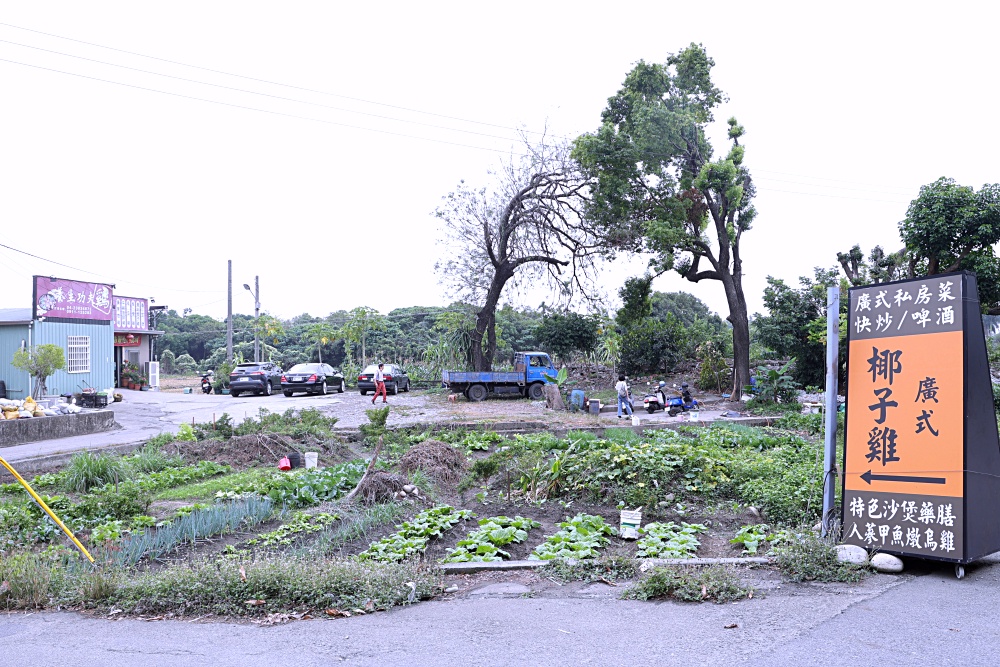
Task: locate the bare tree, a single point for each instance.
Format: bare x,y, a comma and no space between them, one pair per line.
522,231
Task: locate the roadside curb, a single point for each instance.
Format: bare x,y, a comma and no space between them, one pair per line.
510,565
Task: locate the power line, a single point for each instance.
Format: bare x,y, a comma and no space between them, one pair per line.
829,187
249,108
273,83
254,92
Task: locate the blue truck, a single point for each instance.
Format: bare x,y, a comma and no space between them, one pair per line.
526,379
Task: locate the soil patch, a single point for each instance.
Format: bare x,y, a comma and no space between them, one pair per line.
380,487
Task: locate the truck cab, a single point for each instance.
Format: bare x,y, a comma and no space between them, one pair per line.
534,365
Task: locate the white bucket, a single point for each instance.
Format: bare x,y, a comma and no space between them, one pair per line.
628,528
311,459
635,420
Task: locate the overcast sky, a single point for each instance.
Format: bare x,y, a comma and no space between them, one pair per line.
312,141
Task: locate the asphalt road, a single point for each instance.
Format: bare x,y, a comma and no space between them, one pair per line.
924,617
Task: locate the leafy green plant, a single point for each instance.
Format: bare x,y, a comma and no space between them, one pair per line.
412,537
668,540
185,433
109,531
776,385
559,379
578,538
751,537
152,458
480,440
375,427
311,487
689,584
483,545
603,568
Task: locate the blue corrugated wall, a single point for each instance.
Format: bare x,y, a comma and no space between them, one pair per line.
102,357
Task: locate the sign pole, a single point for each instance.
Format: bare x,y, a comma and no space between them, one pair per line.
832,366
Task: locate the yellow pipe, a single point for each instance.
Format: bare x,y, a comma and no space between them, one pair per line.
41,503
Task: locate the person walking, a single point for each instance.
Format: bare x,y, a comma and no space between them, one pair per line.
380,384
623,398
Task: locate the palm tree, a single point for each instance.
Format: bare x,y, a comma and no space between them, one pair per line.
322,333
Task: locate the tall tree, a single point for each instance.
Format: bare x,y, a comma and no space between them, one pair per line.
523,229
948,227
655,187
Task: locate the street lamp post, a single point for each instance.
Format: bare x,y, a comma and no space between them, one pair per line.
256,314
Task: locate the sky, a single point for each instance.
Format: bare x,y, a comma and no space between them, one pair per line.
145,144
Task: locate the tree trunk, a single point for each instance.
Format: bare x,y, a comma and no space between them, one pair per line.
482,360
741,336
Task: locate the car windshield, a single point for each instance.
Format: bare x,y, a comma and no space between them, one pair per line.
246,368
305,368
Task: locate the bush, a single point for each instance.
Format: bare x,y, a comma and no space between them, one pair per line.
186,365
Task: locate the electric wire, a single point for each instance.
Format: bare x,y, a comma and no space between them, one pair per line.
267,111
254,92
259,80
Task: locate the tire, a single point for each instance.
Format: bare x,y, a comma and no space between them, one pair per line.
268,388
477,392
322,388
535,392
650,409
342,387
406,388
395,388
234,394
363,392
287,394
673,412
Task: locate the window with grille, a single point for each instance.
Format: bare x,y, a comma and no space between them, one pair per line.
78,354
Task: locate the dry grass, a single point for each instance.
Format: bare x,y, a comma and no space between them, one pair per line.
437,459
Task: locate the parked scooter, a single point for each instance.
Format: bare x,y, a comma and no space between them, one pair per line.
682,403
657,400
206,382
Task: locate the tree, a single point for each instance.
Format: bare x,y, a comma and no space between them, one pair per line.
322,333
360,323
795,325
565,334
637,302
525,228
948,227
656,189
40,362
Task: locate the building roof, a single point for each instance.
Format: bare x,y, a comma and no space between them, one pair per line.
15,315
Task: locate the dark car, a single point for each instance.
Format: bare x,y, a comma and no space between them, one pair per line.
312,379
261,377
396,379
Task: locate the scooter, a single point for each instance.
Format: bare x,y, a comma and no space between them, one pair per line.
656,400
682,403
206,382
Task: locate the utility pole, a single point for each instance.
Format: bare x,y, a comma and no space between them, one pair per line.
256,315
229,318
830,430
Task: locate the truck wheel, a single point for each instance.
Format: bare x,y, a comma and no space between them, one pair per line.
535,392
477,392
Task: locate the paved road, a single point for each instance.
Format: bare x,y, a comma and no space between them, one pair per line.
925,617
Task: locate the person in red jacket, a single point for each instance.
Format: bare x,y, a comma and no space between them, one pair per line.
380,384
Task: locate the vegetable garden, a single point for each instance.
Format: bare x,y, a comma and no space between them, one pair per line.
204,523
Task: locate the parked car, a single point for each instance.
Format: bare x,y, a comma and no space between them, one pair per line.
396,379
312,379
261,377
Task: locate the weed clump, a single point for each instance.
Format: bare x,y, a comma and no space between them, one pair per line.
690,584
811,558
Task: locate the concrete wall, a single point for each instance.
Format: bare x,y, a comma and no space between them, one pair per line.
19,431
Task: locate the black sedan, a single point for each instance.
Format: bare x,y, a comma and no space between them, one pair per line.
396,379
312,379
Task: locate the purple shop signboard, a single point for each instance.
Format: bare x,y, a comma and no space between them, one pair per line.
72,299
131,313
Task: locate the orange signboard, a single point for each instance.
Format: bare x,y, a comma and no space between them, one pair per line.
904,458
